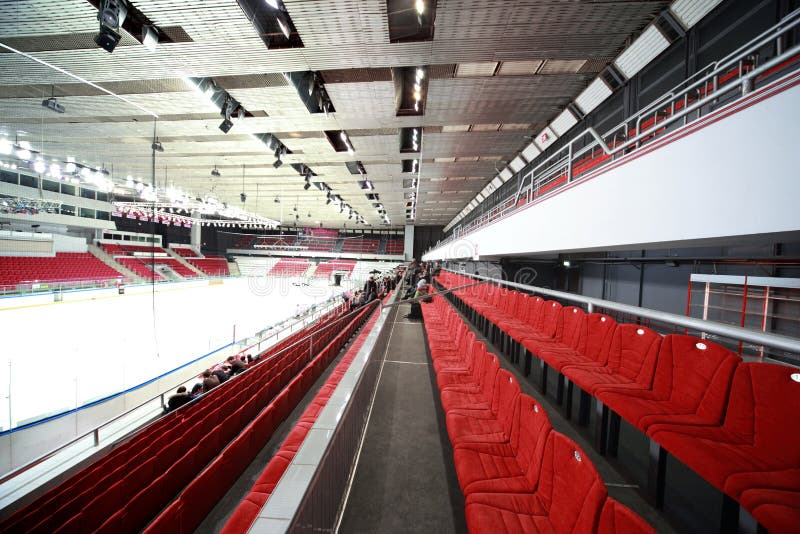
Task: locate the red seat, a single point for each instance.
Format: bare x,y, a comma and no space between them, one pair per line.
510,467
568,498
631,362
616,518
487,426
690,385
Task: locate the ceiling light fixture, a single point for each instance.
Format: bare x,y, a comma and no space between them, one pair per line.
419,5
215,172
111,15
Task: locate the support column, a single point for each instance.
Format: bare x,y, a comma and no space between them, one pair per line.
196,232
408,248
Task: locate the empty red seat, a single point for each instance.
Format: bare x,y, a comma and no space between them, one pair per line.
616,518
490,426
568,498
509,467
690,385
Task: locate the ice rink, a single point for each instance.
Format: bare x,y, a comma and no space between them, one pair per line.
62,355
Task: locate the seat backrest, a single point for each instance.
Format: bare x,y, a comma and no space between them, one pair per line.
570,488
761,411
596,334
618,518
702,374
548,319
504,400
569,329
489,380
633,353
534,309
529,436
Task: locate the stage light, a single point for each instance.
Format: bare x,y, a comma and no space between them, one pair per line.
6,148
86,172
39,166
566,263
52,104
55,170
157,146
307,186
70,167
215,171
111,14
24,150
277,163
419,5
243,197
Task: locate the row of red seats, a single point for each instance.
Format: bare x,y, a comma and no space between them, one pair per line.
361,245
140,267
324,269
247,511
211,266
290,267
186,252
729,421
200,496
148,469
395,246
516,472
64,266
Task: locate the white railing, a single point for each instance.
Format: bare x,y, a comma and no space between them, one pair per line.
731,78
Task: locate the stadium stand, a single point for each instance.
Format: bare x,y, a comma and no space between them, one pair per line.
360,245
394,246
517,474
139,266
211,266
63,267
290,267
694,398
194,452
246,512
324,269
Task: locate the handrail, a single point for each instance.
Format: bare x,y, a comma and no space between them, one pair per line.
567,154
95,431
777,341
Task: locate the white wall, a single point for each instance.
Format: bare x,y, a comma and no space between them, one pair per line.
734,177
65,243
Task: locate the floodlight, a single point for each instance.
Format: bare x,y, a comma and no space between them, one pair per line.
215,171
53,104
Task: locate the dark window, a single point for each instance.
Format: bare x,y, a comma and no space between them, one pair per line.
88,193
9,177
28,181
67,209
88,213
102,196
68,190
49,185
104,215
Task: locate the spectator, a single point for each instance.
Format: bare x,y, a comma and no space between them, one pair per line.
180,398
237,366
210,381
221,374
197,390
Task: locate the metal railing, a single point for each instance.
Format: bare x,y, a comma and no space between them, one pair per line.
757,337
730,78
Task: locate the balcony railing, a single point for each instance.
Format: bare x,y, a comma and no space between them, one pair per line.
720,83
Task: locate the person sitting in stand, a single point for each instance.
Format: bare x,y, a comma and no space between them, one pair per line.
237,366
180,398
210,381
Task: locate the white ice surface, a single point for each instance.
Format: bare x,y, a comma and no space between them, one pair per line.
60,356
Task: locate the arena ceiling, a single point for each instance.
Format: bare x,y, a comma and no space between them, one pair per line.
495,73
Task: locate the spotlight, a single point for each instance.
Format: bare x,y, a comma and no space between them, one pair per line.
110,15
307,187
566,263
277,200
52,103
215,172
243,197
39,166
226,125
157,146
6,148
277,163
